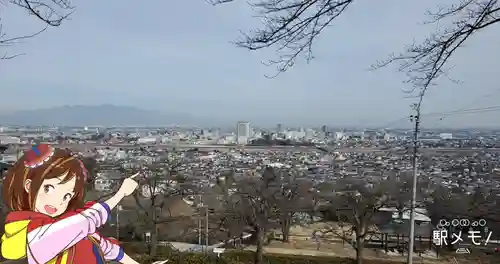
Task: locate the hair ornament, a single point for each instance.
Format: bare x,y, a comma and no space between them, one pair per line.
84,170
38,155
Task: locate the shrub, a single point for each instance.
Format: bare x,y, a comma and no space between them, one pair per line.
246,257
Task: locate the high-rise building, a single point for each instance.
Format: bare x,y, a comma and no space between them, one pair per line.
279,128
242,132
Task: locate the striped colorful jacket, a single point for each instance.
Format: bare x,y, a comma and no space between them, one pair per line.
69,239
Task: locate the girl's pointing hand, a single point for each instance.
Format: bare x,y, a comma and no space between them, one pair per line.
129,185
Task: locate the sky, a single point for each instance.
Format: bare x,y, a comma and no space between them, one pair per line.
177,56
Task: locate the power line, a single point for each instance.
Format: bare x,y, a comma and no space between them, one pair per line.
466,111
416,132
393,123
495,107
462,110
444,114
475,101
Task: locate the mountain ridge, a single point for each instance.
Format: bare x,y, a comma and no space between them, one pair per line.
104,115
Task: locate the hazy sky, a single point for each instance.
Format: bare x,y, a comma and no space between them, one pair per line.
176,56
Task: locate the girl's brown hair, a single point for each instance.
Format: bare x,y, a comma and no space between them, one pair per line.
62,162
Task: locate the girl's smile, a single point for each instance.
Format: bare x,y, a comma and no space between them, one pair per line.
50,209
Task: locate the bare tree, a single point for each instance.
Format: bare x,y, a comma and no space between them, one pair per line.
225,182
92,167
51,12
232,223
292,26
481,204
353,206
162,182
401,192
294,197
253,205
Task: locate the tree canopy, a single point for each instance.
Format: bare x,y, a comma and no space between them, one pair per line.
291,27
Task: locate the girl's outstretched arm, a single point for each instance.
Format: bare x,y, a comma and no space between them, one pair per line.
46,239
114,200
127,188
43,237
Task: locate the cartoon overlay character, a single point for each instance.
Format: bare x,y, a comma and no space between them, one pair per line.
45,191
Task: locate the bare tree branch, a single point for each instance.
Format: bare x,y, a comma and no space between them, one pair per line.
6,41
292,26
425,62
50,12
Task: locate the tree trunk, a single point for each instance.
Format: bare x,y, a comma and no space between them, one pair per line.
259,252
360,246
154,241
285,229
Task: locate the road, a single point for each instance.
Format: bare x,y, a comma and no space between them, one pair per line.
90,146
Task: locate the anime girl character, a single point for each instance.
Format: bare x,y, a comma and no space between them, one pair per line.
48,222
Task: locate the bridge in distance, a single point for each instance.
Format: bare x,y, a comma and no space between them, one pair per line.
89,146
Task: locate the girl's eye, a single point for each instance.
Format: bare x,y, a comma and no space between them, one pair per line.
67,197
47,188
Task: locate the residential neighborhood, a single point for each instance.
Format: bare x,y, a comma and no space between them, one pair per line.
184,192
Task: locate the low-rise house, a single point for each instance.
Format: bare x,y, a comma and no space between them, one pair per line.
106,181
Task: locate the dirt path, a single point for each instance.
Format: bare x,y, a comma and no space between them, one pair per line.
345,254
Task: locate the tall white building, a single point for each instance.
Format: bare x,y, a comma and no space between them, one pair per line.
339,136
389,137
147,140
242,132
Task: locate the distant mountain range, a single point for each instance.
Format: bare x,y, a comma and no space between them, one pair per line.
100,115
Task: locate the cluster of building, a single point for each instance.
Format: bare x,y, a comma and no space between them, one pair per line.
461,161
244,134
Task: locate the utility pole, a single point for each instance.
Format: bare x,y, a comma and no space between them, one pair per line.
413,205
199,230
199,219
206,228
202,206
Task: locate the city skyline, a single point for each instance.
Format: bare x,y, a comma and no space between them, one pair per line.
127,116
